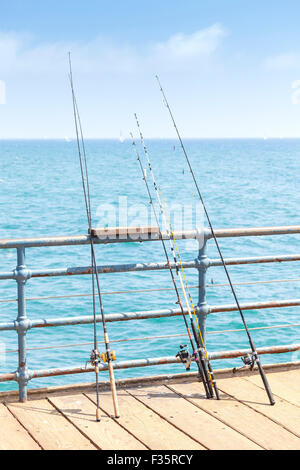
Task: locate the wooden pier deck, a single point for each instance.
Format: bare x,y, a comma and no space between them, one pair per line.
160,414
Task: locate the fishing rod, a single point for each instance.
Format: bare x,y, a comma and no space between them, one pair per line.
183,353
249,360
170,232
95,357
210,369
172,241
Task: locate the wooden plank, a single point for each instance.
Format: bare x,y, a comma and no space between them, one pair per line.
113,232
147,426
106,435
243,419
283,384
282,412
13,435
194,422
49,427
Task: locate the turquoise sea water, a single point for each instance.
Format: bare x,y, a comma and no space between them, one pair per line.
245,183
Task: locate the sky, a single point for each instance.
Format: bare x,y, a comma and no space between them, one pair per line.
229,68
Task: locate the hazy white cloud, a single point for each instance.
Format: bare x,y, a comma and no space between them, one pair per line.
2,92
9,46
190,46
19,52
112,77
296,93
285,61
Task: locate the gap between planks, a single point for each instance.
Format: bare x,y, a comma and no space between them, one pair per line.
191,420
289,393
253,396
146,425
247,421
106,435
14,426
48,426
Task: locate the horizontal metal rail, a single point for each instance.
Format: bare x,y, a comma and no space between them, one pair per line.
137,267
254,260
158,361
255,231
72,240
142,315
22,274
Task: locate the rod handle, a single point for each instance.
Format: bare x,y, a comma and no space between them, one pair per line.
113,389
216,389
265,382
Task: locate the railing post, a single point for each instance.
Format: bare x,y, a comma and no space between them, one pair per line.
21,276
202,262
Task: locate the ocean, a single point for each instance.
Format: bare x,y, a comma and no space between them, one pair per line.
245,183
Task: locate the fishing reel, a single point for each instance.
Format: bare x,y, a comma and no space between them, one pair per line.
113,356
95,358
248,360
185,357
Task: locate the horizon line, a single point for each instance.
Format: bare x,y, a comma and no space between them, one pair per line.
70,139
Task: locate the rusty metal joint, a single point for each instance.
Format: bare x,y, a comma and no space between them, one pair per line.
23,375
202,264
203,309
22,274
22,326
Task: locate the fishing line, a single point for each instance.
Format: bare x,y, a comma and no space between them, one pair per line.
171,236
197,352
210,369
95,358
147,338
254,358
140,291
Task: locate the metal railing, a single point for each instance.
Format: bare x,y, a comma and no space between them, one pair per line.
22,274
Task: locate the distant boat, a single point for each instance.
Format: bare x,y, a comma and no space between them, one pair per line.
266,137
68,139
122,138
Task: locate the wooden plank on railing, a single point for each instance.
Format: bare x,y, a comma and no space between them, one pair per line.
117,232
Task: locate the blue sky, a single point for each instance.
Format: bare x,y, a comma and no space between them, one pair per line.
230,68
